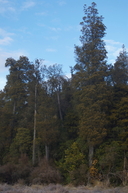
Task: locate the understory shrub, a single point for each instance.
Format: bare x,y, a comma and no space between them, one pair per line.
44,173
11,173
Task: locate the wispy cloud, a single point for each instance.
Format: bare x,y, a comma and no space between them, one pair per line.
72,28
6,6
12,9
55,29
4,33
50,50
6,41
69,28
42,13
28,4
5,37
113,48
112,42
61,2
4,1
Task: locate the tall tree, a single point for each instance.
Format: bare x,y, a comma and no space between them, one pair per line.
16,89
120,69
50,110
34,88
119,112
55,81
47,122
89,79
5,127
22,89
21,143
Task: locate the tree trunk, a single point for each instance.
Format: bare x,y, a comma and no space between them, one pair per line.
47,152
125,178
125,161
34,132
58,100
14,108
90,155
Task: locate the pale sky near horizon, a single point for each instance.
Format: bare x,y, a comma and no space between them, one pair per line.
49,29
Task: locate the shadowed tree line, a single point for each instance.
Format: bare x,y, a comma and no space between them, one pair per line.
78,126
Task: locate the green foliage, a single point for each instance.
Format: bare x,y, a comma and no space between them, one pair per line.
73,158
74,164
22,143
47,122
120,70
89,80
110,155
11,173
70,118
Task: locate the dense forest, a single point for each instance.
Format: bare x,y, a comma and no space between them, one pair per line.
55,129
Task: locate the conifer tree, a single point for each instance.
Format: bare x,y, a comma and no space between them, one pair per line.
119,112
47,122
120,69
55,81
89,79
5,127
50,110
16,89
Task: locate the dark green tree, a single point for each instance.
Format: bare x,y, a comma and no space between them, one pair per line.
16,91
55,79
21,143
16,87
47,122
119,110
89,79
5,127
120,69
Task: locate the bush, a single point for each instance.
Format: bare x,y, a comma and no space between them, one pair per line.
79,176
7,172
10,173
45,174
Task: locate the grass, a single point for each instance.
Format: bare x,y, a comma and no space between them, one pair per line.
52,188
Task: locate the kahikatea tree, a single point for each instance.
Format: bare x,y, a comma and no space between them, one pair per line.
120,69
47,124
16,90
89,79
50,111
21,93
55,81
5,126
21,144
119,112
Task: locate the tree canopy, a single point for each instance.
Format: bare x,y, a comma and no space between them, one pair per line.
78,125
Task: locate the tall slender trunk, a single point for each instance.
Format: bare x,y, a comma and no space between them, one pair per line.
12,122
125,161
47,152
90,155
59,105
90,159
14,108
125,180
34,132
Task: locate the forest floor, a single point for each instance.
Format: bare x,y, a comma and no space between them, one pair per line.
51,188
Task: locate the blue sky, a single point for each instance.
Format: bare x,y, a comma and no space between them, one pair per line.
48,29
